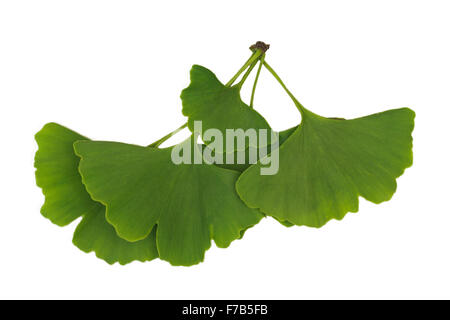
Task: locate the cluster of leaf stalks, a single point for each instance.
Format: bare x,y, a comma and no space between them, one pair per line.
136,204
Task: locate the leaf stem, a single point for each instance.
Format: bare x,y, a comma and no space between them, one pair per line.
255,56
167,136
276,76
246,74
261,62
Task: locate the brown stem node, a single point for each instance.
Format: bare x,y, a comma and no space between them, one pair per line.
260,45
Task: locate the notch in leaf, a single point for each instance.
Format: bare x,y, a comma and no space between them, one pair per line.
328,162
66,199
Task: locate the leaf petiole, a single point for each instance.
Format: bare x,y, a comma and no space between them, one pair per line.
246,74
276,76
253,58
167,136
261,62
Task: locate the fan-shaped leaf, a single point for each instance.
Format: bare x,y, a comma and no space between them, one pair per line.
327,163
66,199
141,188
216,105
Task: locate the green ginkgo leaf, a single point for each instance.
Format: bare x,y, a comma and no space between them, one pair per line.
217,106
327,163
142,187
66,199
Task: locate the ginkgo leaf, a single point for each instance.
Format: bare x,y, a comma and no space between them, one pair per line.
217,106
190,203
327,163
66,199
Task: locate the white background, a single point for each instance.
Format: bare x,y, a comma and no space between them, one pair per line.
113,70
